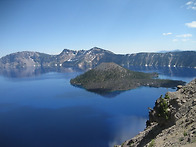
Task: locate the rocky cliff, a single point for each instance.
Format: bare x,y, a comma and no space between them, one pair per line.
88,59
27,59
172,121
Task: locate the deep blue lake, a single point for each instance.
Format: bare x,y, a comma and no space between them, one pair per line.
42,109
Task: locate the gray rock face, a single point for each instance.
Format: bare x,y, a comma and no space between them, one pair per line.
172,122
95,56
27,59
88,59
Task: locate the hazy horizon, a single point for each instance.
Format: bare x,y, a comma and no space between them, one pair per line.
121,26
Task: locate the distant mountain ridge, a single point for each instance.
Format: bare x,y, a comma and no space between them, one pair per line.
88,59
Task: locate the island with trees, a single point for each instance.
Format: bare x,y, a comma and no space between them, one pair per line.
110,77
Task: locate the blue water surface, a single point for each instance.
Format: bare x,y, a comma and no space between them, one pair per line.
46,111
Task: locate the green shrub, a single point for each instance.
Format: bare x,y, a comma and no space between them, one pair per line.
166,96
163,111
185,133
122,144
152,143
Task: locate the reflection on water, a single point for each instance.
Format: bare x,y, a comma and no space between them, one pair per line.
108,94
101,92
32,71
168,71
132,123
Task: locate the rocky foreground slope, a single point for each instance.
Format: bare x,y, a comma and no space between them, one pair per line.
172,122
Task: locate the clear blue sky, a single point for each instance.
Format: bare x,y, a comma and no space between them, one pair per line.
122,26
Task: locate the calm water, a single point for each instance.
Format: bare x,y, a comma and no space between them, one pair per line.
41,109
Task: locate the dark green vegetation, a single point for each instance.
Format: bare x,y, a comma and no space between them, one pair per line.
161,113
108,77
86,59
163,110
152,143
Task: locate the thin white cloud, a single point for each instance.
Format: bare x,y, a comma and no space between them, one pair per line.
175,40
166,34
191,5
184,35
185,40
191,24
194,8
181,40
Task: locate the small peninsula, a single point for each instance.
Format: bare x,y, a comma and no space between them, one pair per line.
110,77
